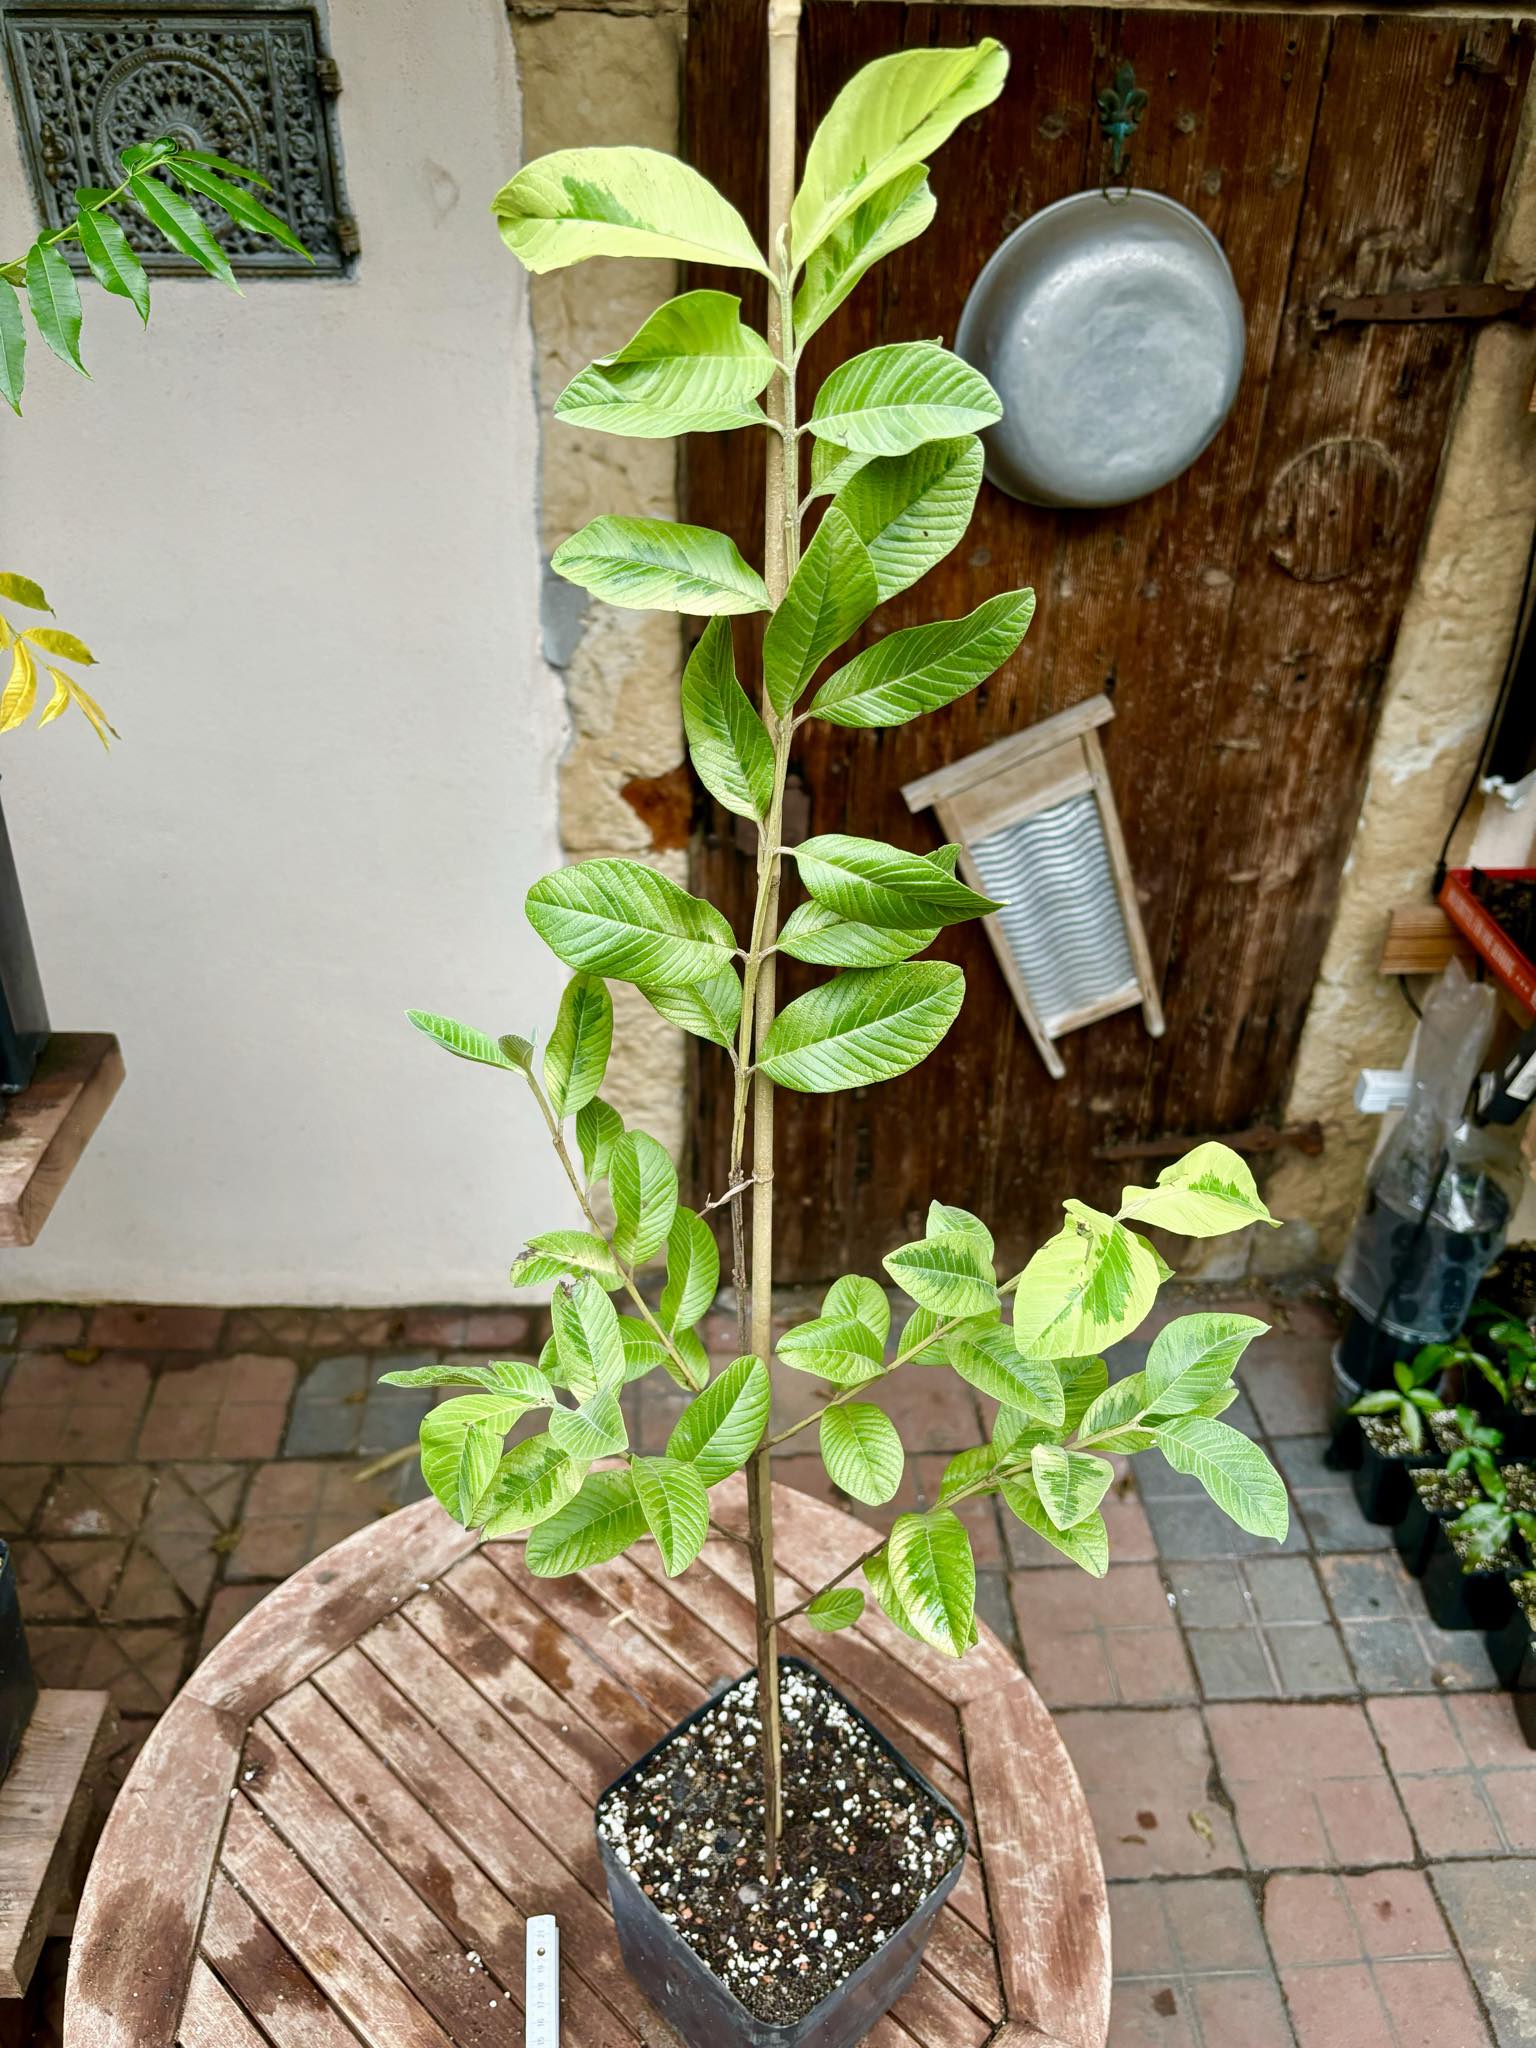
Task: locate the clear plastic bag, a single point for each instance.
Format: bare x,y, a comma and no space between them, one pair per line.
1440,1191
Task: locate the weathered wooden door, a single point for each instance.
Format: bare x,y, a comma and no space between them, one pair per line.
1242,618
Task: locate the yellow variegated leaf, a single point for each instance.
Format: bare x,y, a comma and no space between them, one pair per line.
64,645
21,690
58,702
100,724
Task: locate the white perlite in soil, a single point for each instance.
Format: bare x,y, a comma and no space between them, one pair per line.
862,1845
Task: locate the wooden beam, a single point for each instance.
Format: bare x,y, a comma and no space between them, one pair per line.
44,1804
49,1124
1421,939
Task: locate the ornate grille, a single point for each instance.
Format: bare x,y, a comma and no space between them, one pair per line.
248,83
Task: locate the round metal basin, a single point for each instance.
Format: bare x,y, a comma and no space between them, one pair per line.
1113,333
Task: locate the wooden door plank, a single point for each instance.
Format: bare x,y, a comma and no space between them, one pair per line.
1354,430
580,1752
557,1810
318,1611
263,1976
1050,1907
167,1821
45,1802
473,2006
1246,693
351,1973
583,1686
500,1840
611,1637
211,2018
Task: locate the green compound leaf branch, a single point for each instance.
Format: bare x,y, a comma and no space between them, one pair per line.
153,171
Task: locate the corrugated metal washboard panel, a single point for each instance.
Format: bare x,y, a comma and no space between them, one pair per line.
1034,817
1061,911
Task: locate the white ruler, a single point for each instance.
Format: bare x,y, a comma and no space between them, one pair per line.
541,1983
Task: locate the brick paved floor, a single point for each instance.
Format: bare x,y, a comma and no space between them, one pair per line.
1316,1812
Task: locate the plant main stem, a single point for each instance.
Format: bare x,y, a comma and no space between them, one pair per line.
781,551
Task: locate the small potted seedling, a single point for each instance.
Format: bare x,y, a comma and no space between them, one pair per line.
1472,1558
1392,1439
1511,1375
1441,1492
774,1865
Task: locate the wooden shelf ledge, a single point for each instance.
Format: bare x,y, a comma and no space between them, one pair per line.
44,1804
49,1124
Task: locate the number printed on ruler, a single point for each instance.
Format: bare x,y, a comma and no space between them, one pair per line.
541,1983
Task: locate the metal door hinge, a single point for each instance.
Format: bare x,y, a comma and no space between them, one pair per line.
328,76
1431,302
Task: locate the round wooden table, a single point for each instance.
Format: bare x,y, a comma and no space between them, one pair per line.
337,1828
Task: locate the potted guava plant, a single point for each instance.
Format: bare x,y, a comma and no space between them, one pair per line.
761,1944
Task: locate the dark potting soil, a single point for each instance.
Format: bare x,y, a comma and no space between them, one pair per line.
1445,1493
1473,1561
1510,904
862,1845
1520,1486
1446,1430
1387,1437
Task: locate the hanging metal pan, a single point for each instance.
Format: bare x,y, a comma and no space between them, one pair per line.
1112,331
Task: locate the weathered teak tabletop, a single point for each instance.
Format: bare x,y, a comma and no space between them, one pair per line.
394,1758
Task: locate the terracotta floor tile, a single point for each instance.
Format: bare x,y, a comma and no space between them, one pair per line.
1463,1770
225,1408
97,1500
1309,1785
22,1489
129,1328
1145,1774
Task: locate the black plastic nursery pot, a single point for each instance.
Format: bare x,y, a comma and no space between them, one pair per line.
1414,1534
1459,1599
18,1688
699,2005
1512,1653
1383,1486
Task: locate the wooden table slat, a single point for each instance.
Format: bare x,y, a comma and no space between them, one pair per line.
523,1868
556,1810
175,1801
609,1636
1044,1876
483,1918
347,1967
250,1960
578,1680
578,1751
381,1904
211,2018
424,1727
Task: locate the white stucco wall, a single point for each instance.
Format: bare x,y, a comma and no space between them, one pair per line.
299,528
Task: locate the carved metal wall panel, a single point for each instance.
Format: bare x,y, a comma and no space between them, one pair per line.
249,83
